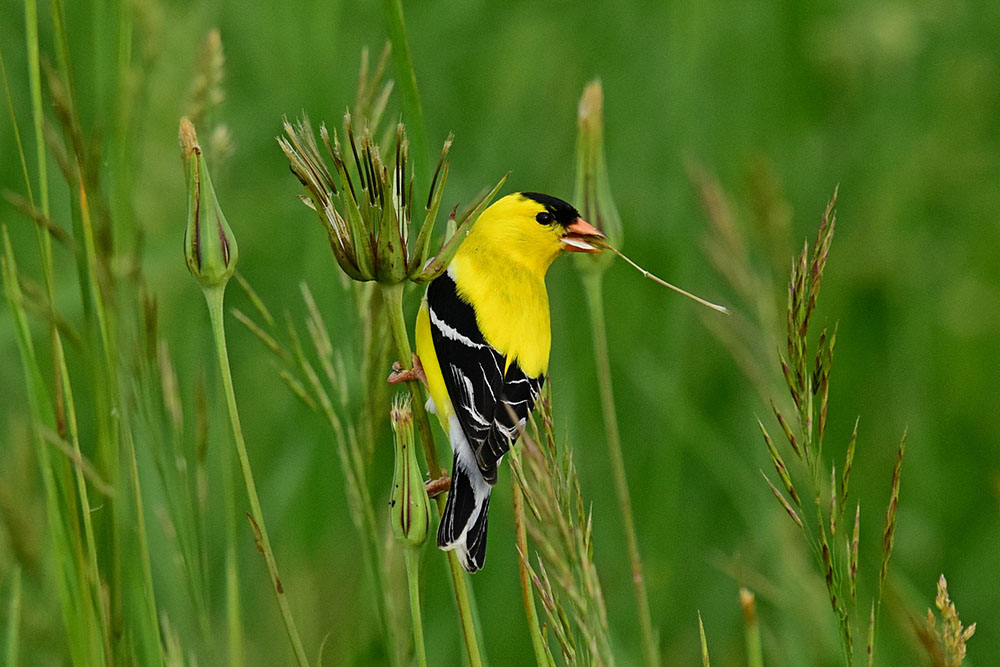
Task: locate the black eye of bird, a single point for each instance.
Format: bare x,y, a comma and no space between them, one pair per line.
544,218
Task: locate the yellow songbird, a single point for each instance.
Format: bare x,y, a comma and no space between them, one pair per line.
483,338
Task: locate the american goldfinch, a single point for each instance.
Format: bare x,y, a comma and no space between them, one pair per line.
483,339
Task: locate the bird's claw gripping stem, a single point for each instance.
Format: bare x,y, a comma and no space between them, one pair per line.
435,487
399,374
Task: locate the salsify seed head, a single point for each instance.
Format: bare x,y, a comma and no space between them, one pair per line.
366,201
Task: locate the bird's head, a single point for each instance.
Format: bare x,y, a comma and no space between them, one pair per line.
536,228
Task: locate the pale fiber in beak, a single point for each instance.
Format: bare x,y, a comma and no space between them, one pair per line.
578,245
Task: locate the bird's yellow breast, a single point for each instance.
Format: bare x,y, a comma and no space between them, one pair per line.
511,304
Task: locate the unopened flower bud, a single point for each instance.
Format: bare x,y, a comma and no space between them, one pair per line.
593,191
209,245
409,511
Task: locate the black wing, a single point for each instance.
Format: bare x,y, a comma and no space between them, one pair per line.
481,393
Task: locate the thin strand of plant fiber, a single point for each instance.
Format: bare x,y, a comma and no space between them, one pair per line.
537,641
647,274
593,287
393,311
214,298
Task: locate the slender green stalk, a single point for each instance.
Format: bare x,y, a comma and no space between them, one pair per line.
593,287
94,572
537,641
408,82
234,621
14,619
214,298
412,557
751,629
37,110
74,598
393,298
151,622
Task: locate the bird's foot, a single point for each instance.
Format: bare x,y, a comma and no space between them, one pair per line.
400,374
436,487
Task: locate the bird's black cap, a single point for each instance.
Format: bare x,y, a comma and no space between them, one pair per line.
563,212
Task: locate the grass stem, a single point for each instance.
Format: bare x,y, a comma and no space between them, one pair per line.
593,287
14,619
408,82
214,298
234,619
751,628
537,641
392,296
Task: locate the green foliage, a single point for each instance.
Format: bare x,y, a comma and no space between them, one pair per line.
899,103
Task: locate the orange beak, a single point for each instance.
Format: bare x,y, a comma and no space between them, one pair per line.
580,235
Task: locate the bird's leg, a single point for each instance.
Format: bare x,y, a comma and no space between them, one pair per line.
435,487
399,374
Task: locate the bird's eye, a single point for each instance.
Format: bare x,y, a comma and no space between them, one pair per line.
544,218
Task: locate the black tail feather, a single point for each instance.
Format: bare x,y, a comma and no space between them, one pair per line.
459,511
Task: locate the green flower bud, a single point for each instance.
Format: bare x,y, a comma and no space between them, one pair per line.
593,191
209,245
409,507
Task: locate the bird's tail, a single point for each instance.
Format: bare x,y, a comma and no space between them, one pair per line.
463,524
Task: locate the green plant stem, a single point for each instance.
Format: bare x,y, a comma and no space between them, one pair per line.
412,557
537,641
593,286
92,565
408,83
751,629
151,624
393,298
234,619
214,298
14,619
78,618
37,111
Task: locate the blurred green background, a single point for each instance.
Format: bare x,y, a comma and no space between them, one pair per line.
897,102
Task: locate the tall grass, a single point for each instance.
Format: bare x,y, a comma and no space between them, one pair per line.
563,570
125,536
821,511
82,415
